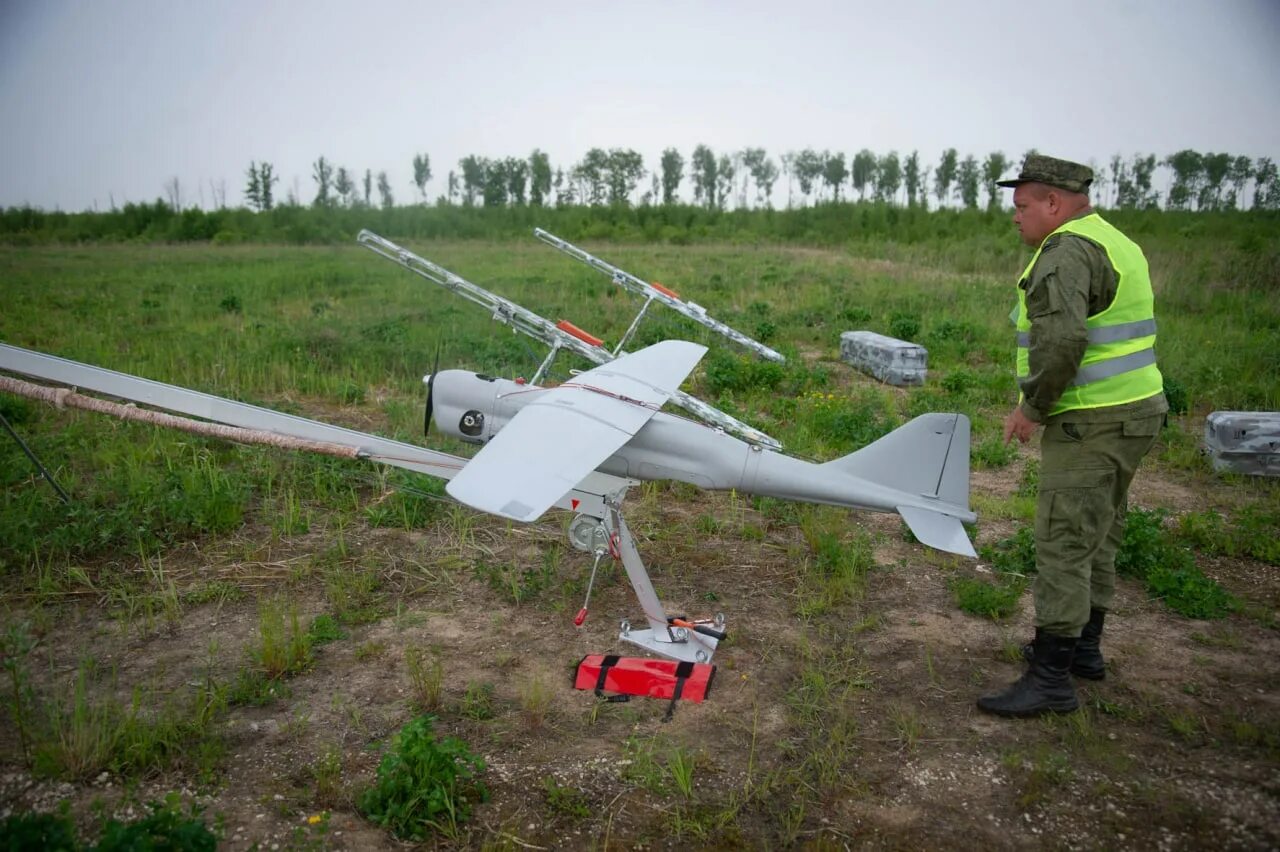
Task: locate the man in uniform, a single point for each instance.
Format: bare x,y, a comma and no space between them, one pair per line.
1086,371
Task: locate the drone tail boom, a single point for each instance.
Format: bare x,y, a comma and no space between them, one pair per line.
926,460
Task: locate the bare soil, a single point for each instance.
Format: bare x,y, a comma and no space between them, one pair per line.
1179,747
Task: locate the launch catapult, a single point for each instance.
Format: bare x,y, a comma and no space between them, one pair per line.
578,446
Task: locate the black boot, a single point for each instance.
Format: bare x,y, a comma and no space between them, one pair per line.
1088,662
1046,685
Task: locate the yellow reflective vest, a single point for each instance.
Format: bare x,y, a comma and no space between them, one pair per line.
1119,363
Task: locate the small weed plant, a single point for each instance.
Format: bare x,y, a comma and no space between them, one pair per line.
425,786
326,772
1013,559
324,629
681,763
353,592
168,826
837,571
564,801
426,678
284,649
642,766
535,699
16,646
1149,552
477,702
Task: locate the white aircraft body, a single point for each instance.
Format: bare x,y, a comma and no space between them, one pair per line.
540,442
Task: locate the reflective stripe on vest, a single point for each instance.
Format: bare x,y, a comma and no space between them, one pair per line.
1119,363
1106,333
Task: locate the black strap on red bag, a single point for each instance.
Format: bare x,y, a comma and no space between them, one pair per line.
683,671
607,663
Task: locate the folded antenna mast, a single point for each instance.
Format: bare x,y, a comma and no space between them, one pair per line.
561,335
655,292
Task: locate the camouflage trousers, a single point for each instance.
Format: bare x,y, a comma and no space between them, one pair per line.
1085,471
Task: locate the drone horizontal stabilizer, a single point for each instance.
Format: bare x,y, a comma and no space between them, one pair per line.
935,529
565,433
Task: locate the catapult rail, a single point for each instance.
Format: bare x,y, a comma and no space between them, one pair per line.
655,292
561,335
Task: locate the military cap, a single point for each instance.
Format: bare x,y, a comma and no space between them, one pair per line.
1037,168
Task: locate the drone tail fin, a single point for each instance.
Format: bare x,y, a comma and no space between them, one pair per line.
927,457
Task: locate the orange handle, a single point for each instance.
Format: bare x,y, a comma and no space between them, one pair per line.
718,635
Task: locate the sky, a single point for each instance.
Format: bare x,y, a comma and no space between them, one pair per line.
103,102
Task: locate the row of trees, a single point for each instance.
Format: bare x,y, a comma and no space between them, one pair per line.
749,178
876,223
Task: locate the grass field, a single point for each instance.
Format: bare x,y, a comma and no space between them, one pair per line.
252,627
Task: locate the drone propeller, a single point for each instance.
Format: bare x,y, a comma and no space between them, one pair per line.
426,415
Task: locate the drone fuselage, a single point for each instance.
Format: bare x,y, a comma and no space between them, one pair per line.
475,407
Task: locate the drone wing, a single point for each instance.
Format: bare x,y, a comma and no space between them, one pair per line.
556,440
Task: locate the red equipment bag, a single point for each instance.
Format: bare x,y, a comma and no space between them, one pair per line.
630,676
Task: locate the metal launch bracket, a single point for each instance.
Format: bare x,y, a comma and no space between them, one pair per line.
668,636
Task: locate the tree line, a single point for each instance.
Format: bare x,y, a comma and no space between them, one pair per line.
750,177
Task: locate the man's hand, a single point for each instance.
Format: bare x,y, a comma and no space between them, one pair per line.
1018,424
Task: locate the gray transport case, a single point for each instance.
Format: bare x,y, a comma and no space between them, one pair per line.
890,360
1244,441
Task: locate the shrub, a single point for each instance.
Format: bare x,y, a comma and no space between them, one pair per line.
168,826
1254,532
990,600
424,785
1168,569
1186,590
904,326
1176,394
727,372
1145,546
50,832
993,452
1013,555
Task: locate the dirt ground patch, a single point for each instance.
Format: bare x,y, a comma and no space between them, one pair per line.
850,727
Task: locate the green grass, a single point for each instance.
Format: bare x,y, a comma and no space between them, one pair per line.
283,647
426,678
995,600
565,802
1168,568
83,735
519,581
337,334
1148,553
168,825
1253,532
310,329
836,571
